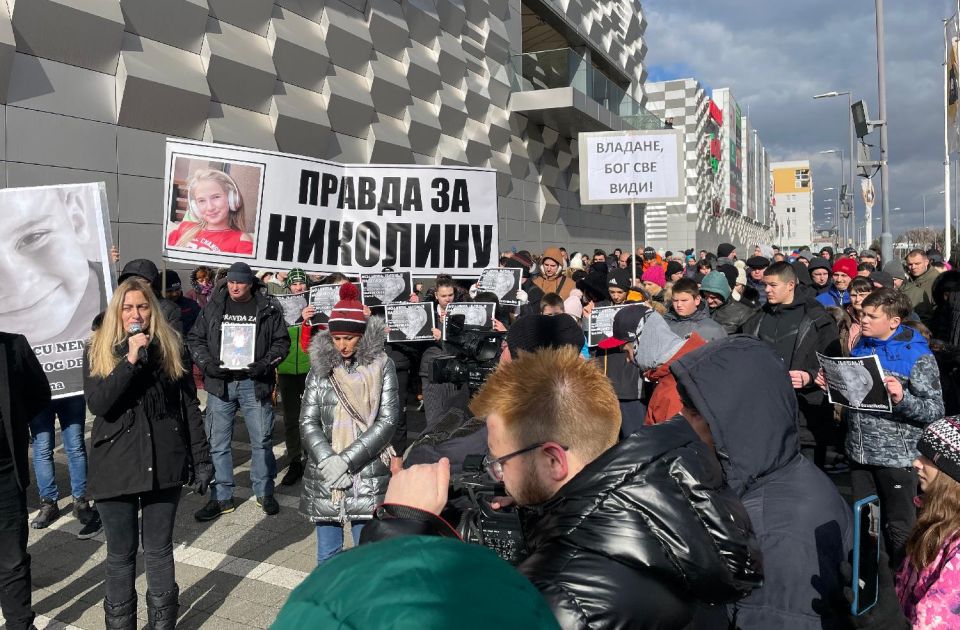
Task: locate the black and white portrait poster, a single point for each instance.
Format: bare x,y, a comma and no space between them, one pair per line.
409,321
292,305
600,326
856,382
323,298
476,314
237,345
504,283
377,289
57,273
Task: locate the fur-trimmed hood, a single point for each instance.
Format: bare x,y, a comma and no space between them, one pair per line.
324,357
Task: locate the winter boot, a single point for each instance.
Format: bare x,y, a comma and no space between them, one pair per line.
121,616
162,609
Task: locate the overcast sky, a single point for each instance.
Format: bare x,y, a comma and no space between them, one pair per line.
776,54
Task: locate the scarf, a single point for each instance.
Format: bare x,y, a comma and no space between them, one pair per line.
358,393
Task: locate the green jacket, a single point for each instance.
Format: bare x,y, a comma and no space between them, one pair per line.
297,361
416,583
920,292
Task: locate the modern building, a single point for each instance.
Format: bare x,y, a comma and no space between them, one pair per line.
715,210
793,203
90,90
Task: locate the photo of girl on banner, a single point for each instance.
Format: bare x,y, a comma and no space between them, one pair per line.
214,205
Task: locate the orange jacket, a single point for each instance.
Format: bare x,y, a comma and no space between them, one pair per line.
665,402
656,261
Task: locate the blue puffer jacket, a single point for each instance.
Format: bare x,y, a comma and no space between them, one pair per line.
834,297
890,439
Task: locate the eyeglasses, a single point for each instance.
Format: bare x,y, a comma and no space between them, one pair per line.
494,467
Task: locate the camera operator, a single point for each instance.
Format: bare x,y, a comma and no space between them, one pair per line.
640,534
459,434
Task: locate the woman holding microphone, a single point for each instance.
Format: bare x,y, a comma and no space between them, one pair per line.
147,442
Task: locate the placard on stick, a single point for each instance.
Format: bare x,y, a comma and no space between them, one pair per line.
292,305
323,298
856,383
504,283
477,314
377,289
600,326
409,321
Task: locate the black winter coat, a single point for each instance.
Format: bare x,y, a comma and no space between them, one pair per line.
804,526
147,431
273,340
815,331
642,537
24,392
732,315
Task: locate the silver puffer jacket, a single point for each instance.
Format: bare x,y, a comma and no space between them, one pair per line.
316,428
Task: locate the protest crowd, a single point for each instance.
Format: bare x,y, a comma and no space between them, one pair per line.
659,430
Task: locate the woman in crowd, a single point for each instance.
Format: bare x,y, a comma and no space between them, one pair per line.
928,583
349,414
147,442
216,210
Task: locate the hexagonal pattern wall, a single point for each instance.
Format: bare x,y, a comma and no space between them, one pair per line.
90,90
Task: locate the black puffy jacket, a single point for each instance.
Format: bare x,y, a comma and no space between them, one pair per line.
732,315
643,537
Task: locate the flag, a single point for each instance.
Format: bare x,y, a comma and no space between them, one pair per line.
715,113
952,87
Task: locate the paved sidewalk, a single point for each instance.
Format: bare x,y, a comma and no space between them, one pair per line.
234,572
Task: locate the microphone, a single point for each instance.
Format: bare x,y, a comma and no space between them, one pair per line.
136,329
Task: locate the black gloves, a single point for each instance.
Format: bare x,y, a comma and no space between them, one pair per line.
202,476
213,370
259,369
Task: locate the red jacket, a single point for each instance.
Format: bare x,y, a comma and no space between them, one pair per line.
665,401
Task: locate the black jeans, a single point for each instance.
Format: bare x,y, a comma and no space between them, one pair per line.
896,488
14,559
291,393
119,516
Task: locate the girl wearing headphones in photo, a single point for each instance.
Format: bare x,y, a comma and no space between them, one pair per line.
216,221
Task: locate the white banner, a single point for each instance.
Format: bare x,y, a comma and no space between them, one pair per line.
643,166
57,271
278,211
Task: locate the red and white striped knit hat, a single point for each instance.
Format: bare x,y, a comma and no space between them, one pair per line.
347,317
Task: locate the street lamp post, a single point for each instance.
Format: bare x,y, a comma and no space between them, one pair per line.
886,238
848,226
852,139
844,231
924,197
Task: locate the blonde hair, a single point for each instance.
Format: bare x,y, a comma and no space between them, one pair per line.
102,355
938,522
236,219
553,395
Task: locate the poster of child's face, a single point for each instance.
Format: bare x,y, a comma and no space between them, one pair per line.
53,260
214,206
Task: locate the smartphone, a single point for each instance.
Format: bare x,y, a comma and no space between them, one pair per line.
866,553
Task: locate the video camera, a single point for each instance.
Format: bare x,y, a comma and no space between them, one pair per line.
477,355
469,508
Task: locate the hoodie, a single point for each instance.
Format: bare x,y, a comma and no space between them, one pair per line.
803,524
699,322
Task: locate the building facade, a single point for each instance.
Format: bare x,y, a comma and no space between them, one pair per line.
90,90
715,209
793,203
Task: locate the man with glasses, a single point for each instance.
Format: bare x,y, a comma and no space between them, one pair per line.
614,537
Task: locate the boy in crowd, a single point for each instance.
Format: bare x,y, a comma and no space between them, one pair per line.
882,446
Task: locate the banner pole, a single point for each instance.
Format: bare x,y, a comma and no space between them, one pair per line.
947,50
633,238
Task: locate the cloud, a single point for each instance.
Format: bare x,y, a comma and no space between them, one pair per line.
776,55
